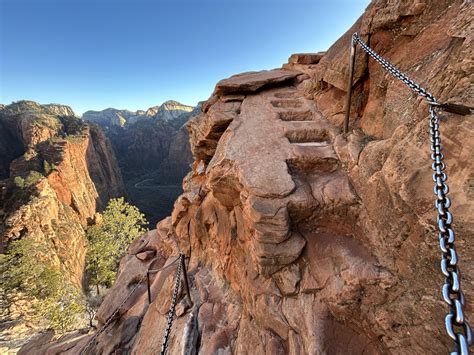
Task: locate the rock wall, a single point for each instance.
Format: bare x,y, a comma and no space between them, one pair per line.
75,158
153,153
142,146
147,139
177,164
63,172
300,240
10,148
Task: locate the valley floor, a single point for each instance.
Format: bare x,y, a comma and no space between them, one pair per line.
152,196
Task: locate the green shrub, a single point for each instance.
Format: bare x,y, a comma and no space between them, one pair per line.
33,178
19,181
26,269
108,241
48,167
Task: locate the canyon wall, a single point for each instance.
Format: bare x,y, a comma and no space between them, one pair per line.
300,240
75,159
57,174
143,140
152,150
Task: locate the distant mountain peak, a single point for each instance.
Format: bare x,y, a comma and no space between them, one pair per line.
170,111
152,111
172,104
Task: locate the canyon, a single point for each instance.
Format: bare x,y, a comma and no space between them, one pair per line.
152,151
300,239
57,172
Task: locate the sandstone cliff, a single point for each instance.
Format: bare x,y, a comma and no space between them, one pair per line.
142,140
152,150
177,164
300,240
60,173
75,158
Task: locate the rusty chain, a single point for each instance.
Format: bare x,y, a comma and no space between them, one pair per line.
457,326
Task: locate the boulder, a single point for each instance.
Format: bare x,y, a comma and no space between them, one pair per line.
253,81
305,58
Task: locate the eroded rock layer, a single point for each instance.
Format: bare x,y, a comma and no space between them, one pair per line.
300,240
152,151
59,174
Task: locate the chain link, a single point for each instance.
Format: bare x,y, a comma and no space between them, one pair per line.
397,73
117,310
457,326
172,309
112,316
451,290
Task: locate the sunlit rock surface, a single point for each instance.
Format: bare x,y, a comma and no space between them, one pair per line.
300,240
77,175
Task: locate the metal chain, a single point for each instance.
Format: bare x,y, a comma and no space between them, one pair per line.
397,73
164,267
112,316
172,309
451,291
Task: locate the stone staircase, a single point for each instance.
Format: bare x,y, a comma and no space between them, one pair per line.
268,219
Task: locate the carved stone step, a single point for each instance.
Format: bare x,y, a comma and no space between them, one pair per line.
312,158
287,103
286,94
296,115
314,136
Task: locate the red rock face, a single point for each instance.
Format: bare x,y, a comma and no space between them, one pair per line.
301,240
86,174
77,173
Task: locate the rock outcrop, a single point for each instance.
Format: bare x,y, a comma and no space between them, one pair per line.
60,173
300,240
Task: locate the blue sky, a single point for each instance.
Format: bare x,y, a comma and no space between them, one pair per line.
94,54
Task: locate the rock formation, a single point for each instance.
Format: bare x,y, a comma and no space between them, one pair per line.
109,117
300,240
174,113
58,173
152,150
142,139
170,111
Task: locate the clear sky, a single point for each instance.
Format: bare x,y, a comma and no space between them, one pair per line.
94,54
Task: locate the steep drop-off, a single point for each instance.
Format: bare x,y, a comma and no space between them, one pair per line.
300,240
152,150
59,174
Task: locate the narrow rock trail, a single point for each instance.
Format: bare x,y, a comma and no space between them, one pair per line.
271,208
300,240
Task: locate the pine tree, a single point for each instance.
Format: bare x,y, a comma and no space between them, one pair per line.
108,241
